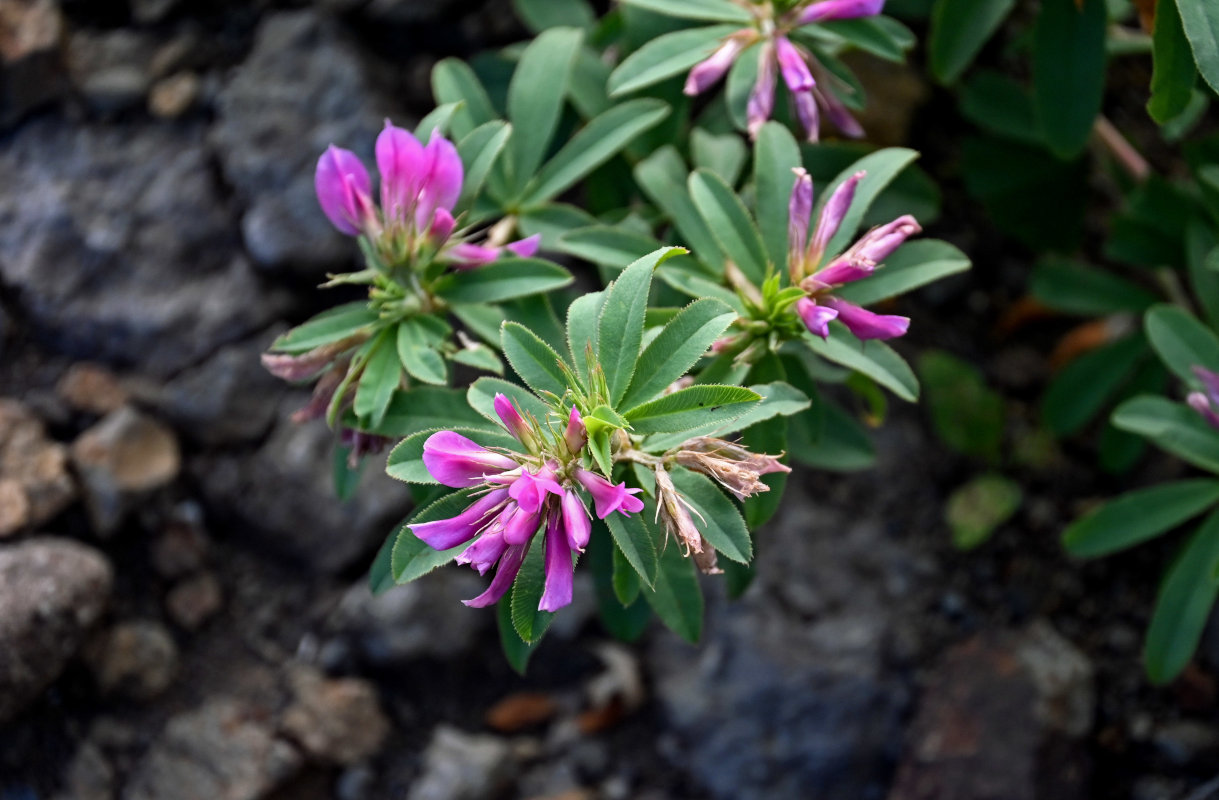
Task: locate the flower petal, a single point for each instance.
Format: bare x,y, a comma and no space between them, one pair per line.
799,213
525,248
707,73
576,523
828,10
796,73
815,317
762,98
401,162
443,534
867,325
339,180
560,571
509,566
456,461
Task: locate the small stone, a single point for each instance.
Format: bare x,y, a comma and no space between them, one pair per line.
36,464
149,11
51,593
1187,743
519,711
14,507
92,388
221,751
115,89
336,721
173,96
122,455
135,659
194,601
89,776
462,766
31,50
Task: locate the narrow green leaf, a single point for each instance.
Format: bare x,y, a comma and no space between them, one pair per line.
533,360
481,398
346,478
503,279
725,155
528,622
479,152
1173,427
416,345
959,29
626,581
480,357
582,317
717,518
714,10
663,178
975,510
625,620
454,82
882,37
676,597
438,120
638,537
620,329
1201,258
915,264
678,347
1068,72
405,462
1079,392
729,223
412,558
1181,341
779,399
539,15
666,56
1173,74
381,573
1138,516
536,95
595,144
330,326
420,408
1078,289
516,650
692,407
880,169
380,379
1186,598
1200,19
775,155
872,358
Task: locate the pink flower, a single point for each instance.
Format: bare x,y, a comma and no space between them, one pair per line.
805,262
827,10
575,435
709,72
467,255
557,590
576,523
608,497
530,489
1206,402
344,191
443,534
456,461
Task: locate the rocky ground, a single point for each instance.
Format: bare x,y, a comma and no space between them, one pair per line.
183,609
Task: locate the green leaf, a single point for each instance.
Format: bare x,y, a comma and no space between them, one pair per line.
1087,384
872,358
438,120
1201,22
326,328
552,220
479,152
381,573
380,379
968,415
1139,516
454,82
676,597
481,398
882,37
480,357
420,408
536,95
586,90
1173,75
624,619
663,178
881,168
678,347
1183,604
724,155
607,246
1173,427
666,56
582,317
599,448
538,365
694,285
729,223
1201,257
915,264
1078,289
417,342
1181,341
692,407
620,329
717,518
637,536
595,144
778,399
775,155
625,578
528,622
715,10
346,478
976,509
742,77
959,29
1068,72
516,650
830,439
412,558
405,461
503,279
539,15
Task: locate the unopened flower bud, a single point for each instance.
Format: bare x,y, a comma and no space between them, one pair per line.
575,435
514,422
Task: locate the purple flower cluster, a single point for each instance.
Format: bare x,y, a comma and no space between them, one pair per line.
819,276
518,495
1206,402
420,185
806,79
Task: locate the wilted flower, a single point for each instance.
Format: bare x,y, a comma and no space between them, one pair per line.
518,495
806,79
736,468
1206,402
673,512
819,276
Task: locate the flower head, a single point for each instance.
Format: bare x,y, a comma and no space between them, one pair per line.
735,468
819,277
1206,402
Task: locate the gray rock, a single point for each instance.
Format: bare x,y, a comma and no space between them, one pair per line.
302,88
120,246
1002,717
146,11
1187,743
228,399
112,68
51,593
285,494
336,721
89,775
221,751
462,766
138,660
195,600
788,696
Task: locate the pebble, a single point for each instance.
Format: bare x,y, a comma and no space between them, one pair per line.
92,388
194,601
137,659
335,721
173,96
35,484
31,41
463,766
